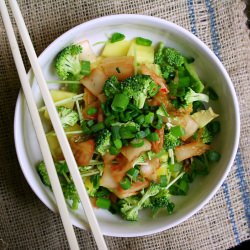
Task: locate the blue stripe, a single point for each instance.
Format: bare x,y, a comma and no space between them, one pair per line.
192,16
243,186
230,211
213,29
216,49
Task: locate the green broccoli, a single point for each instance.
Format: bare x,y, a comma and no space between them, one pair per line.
69,66
192,96
67,185
139,88
161,200
159,55
92,184
129,210
173,57
127,130
169,60
61,167
206,136
167,71
103,141
70,193
67,116
112,87
171,141
66,182
210,131
141,160
42,171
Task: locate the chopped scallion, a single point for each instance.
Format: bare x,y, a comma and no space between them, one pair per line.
92,111
97,127
118,143
116,37
149,118
114,150
103,203
163,181
133,174
177,131
213,155
120,102
136,143
85,67
153,137
125,183
143,41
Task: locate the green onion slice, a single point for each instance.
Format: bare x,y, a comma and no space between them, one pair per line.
136,143
116,37
85,67
97,127
103,203
153,137
125,183
143,41
163,181
133,174
120,102
92,111
177,131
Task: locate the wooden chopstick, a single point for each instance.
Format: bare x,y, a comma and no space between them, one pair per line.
56,187
54,119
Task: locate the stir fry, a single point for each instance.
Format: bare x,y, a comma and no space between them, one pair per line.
139,123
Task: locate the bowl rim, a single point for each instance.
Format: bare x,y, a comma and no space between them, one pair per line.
154,22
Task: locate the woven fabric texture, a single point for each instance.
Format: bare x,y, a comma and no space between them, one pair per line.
25,223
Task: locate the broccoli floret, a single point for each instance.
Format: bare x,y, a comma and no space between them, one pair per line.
167,70
141,160
67,116
139,88
127,130
173,57
192,96
68,64
61,167
112,86
206,136
209,132
169,60
103,141
159,54
42,171
171,141
67,184
161,200
92,184
130,211
169,56
70,193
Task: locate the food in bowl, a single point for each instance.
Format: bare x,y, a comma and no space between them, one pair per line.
138,121
210,71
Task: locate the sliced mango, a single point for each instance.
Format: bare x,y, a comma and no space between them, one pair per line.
116,49
54,144
142,54
58,95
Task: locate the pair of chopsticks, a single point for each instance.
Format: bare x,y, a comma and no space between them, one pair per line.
56,187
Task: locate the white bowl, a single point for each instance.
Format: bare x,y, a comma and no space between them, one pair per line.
210,70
